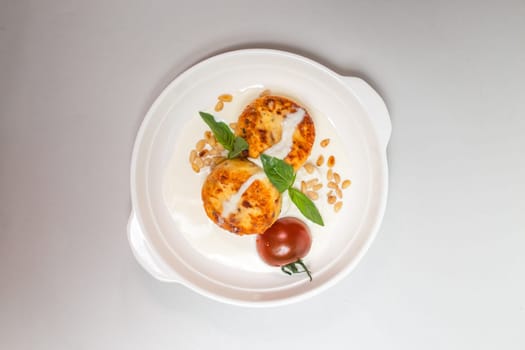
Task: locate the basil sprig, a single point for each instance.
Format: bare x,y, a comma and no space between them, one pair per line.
305,205
280,173
282,176
235,145
239,147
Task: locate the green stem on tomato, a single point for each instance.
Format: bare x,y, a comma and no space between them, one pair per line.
292,268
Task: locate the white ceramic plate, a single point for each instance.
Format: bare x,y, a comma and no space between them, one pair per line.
348,104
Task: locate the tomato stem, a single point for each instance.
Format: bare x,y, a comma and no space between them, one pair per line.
291,268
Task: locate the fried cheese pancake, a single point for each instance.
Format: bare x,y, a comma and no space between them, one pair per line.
238,197
278,127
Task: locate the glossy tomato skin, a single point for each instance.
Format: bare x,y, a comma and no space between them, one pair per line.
285,242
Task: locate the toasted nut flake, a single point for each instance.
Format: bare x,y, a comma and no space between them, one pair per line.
233,125
200,145
339,192
331,199
265,93
303,186
309,168
317,187
320,160
195,167
325,142
332,184
346,184
338,206
337,178
208,135
312,195
225,98
203,153
312,182
329,175
208,161
219,106
193,155
331,161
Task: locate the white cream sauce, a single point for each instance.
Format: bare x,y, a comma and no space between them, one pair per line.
230,205
183,197
284,146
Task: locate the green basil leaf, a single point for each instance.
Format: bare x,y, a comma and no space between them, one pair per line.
280,173
221,131
305,206
239,146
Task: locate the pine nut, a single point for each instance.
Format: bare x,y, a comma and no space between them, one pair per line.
311,182
346,184
195,167
332,184
312,195
331,199
331,161
339,192
199,162
317,187
325,142
233,125
208,135
200,145
320,160
219,106
217,160
225,98
214,152
309,167
337,178
338,206
329,175
193,155
303,186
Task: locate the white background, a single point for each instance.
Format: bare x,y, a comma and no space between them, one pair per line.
447,270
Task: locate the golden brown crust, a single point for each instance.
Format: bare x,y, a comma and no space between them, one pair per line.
258,207
260,124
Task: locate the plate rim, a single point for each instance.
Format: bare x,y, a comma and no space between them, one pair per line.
340,274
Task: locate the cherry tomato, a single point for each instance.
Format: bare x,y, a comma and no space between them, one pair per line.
284,244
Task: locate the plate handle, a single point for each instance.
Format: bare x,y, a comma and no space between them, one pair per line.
373,105
144,254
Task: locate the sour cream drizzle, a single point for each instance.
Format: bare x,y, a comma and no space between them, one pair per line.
284,146
230,205
279,150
